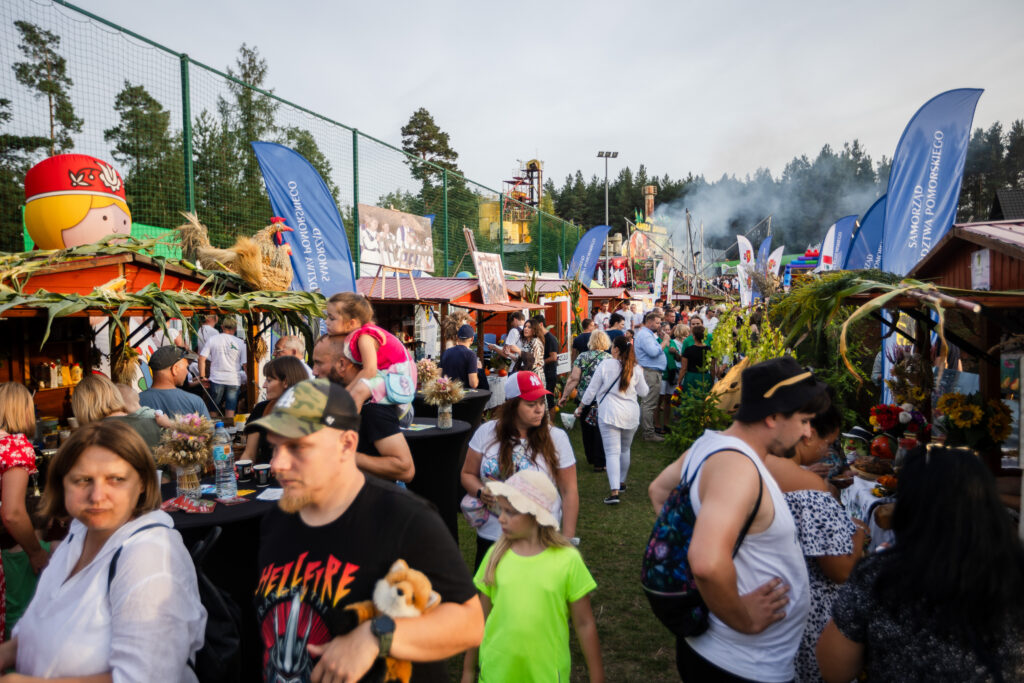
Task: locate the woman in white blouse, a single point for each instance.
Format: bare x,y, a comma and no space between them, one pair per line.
616,386
143,621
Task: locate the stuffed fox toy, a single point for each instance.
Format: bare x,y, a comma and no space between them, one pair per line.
404,592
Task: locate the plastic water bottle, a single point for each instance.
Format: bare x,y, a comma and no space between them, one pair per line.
227,487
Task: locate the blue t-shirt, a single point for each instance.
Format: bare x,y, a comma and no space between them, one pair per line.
458,362
173,402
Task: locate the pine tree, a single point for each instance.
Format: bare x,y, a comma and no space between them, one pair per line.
17,154
46,74
423,138
150,155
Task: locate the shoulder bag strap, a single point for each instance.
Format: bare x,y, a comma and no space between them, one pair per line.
112,569
757,504
753,513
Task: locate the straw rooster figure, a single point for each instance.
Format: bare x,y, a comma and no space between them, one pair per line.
262,260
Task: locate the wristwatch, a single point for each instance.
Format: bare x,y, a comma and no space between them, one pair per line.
383,627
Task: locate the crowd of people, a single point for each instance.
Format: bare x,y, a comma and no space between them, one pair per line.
779,564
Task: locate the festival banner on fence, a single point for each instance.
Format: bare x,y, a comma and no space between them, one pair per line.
320,253
743,269
924,183
865,250
825,251
775,261
587,253
394,239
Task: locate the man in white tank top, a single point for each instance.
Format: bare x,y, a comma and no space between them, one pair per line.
758,599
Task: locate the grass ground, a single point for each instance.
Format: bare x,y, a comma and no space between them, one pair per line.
634,645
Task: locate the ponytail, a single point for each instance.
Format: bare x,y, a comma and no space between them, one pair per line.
628,360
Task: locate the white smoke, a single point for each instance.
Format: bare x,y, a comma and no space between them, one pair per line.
729,207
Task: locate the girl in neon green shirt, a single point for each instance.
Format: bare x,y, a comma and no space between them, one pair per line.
531,580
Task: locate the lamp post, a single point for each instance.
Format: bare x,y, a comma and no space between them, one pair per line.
607,257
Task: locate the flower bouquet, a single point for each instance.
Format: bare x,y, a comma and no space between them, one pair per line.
426,370
971,421
443,392
187,446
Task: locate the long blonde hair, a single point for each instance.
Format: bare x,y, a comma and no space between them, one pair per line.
94,398
17,412
549,538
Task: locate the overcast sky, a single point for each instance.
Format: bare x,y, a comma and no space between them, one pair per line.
684,87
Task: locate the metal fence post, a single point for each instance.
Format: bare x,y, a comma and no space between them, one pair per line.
444,185
540,241
563,241
501,227
186,136
355,198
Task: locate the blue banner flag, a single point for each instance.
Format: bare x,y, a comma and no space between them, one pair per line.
320,254
844,229
762,253
560,273
865,249
924,183
587,254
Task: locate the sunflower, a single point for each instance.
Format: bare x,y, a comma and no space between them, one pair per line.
918,394
949,403
966,416
998,421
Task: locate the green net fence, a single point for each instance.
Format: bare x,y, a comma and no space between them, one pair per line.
179,133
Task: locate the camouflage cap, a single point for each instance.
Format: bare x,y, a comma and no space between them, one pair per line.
308,407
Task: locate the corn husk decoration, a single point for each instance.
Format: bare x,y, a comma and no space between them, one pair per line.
258,259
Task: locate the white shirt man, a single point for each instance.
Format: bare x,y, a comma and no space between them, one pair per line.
601,317
226,354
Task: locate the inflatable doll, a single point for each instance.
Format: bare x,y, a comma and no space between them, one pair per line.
74,199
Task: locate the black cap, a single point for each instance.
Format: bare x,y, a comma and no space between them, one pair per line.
166,356
779,385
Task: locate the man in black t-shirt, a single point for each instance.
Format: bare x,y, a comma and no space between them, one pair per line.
459,362
334,534
383,450
579,344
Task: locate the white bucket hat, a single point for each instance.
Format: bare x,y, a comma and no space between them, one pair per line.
529,492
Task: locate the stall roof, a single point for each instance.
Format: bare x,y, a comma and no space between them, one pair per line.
432,289
1006,237
500,308
610,293
543,286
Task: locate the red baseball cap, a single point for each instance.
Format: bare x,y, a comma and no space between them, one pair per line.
525,385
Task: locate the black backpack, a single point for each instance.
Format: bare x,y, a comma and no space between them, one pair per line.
219,659
665,573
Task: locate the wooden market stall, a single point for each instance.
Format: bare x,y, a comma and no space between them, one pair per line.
52,312
552,295
611,295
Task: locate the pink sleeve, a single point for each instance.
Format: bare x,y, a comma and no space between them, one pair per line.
376,333
16,451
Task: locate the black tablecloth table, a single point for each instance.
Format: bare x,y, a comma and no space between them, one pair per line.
232,562
435,452
470,409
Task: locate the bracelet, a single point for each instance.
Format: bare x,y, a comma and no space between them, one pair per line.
479,492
